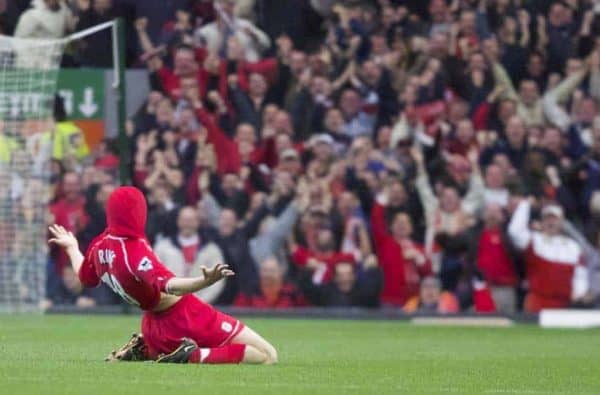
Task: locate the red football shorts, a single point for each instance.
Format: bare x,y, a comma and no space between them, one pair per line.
191,318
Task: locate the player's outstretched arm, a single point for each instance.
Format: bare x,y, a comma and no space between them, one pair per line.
65,239
182,286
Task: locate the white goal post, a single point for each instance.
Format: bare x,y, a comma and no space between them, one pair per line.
29,70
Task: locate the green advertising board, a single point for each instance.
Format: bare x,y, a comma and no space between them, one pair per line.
26,93
83,93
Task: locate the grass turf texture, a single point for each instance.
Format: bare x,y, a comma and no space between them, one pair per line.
63,355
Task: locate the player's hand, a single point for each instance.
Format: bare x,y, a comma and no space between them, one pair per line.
61,237
216,273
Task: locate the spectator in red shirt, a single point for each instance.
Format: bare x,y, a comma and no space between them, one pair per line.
494,261
185,65
69,212
322,261
402,260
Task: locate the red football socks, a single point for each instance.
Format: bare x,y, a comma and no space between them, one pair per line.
233,353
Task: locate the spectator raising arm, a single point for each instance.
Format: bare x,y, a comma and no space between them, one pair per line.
594,62
555,113
378,225
259,38
428,198
145,41
228,157
518,228
474,199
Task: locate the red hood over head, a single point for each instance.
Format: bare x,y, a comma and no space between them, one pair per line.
126,212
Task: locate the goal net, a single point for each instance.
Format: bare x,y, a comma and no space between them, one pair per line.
28,74
29,70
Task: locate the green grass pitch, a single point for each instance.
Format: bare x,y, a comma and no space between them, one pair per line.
63,355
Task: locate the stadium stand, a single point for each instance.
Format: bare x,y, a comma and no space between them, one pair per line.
420,156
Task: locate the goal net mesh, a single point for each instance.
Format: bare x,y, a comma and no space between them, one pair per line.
28,76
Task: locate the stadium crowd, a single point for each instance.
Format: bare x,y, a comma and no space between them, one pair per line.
431,156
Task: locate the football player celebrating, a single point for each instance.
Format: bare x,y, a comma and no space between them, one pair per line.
176,325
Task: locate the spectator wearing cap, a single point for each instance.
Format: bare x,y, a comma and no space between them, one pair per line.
554,265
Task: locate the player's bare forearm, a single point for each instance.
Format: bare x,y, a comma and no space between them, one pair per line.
67,241
75,257
183,286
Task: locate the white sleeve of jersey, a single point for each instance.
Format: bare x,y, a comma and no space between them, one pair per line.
580,284
518,229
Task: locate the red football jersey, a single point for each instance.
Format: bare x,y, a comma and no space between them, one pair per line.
121,256
129,267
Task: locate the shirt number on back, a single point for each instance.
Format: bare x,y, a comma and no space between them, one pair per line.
114,284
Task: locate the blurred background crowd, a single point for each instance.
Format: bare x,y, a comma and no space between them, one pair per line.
424,155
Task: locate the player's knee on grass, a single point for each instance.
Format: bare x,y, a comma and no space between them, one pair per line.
253,355
252,339
262,356
271,353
